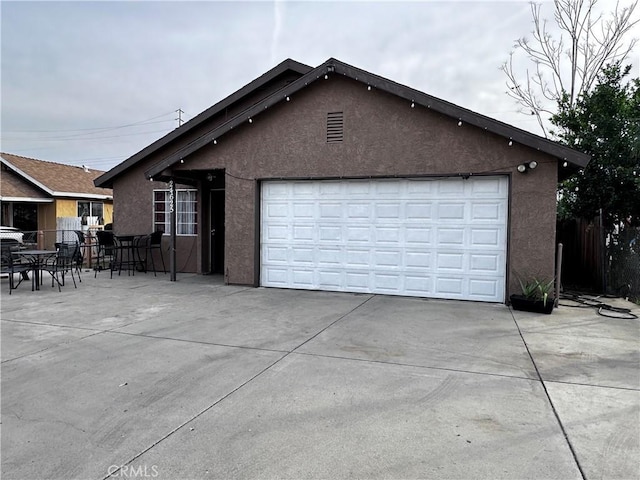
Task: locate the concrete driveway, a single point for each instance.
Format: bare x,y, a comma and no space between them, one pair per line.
138,377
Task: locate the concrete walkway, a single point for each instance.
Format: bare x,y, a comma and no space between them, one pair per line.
139,377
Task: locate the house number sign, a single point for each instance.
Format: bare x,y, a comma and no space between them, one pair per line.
171,195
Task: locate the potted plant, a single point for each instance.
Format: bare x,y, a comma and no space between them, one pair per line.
536,296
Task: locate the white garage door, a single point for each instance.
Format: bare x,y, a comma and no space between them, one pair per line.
441,238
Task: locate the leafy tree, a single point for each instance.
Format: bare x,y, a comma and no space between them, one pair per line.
566,66
605,123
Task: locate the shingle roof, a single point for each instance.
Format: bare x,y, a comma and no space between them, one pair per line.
13,187
52,179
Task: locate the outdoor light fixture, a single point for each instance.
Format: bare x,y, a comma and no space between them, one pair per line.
525,167
510,142
413,105
369,87
182,160
459,123
288,99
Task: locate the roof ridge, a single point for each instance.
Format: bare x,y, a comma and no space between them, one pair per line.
92,170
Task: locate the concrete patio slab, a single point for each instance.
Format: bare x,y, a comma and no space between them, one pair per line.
74,410
339,418
271,319
200,379
577,345
603,425
21,338
464,336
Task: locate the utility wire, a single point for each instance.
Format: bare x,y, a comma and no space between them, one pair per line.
95,128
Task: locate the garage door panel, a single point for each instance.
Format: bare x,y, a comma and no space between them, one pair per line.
442,238
418,212
359,211
358,233
329,257
448,212
387,234
358,258
484,288
450,237
488,211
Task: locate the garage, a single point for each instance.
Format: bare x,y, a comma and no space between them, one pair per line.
438,237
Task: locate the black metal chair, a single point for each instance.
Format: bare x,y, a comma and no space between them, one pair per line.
61,263
106,250
11,265
153,242
82,242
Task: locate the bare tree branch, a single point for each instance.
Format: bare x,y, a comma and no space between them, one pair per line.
572,67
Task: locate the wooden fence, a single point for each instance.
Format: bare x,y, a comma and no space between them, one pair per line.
583,259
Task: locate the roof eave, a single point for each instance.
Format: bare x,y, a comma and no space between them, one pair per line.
29,178
106,179
92,196
420,99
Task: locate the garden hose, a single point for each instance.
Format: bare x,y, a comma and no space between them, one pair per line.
603,309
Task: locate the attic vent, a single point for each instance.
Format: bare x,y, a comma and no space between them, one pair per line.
335,127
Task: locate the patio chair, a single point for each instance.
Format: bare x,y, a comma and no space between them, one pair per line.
106,249
82,242
62,263
11,265
153,242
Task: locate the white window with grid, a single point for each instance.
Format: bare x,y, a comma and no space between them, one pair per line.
186,211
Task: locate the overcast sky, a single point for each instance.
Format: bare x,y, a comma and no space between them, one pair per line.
92,83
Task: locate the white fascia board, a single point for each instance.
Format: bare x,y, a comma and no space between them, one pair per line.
92,196
26,199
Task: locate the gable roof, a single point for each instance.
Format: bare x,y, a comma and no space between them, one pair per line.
288,66
336,67
38,177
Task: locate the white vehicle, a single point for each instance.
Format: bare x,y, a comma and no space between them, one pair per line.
11,234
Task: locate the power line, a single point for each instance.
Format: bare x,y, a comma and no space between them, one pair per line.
94,128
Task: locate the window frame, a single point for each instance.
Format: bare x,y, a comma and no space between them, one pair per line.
167,214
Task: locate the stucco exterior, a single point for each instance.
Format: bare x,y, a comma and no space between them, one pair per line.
383,137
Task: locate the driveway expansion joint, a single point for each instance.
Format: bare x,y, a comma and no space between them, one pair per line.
546,392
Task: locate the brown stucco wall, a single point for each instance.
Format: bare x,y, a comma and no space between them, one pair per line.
383,136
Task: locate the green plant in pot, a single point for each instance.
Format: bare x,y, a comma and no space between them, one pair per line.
536,296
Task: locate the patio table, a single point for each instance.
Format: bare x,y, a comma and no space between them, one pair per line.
127,254
36,259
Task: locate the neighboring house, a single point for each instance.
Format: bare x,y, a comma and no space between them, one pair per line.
333,178
37,195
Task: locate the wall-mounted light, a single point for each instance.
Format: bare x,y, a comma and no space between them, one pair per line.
459,122
510,142
525,167
413,105
182,160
